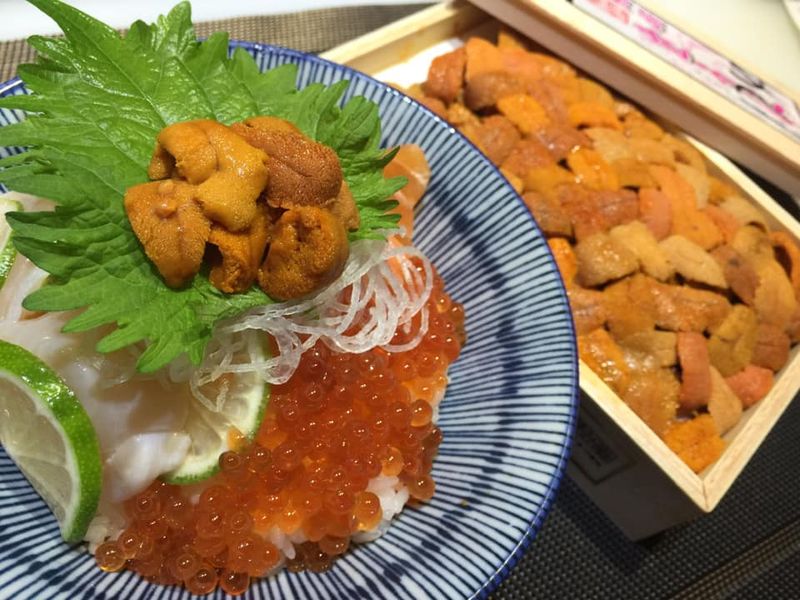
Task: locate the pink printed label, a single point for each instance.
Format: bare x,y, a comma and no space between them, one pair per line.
698,60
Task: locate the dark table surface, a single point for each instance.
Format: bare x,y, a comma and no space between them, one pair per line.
747,548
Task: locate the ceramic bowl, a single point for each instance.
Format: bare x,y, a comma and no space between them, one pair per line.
508,415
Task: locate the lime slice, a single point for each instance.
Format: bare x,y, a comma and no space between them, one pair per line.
45,430
215,432
7,251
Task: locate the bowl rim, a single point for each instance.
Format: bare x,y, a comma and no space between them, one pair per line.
548,497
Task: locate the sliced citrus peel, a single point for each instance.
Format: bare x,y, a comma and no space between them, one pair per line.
214,430
48,434
7,251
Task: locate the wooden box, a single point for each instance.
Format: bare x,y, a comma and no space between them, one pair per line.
669,69
617,459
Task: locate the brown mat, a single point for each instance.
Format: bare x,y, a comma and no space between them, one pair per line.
309,31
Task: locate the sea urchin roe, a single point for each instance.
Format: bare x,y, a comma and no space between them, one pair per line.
229,173
308,251
240,253
171,226
302,172
341,421
220,196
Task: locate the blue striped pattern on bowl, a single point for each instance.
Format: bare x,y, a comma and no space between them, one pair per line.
507,418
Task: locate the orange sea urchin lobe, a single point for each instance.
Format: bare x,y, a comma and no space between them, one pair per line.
339,423
213,187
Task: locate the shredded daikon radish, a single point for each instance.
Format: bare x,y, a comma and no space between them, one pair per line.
379,293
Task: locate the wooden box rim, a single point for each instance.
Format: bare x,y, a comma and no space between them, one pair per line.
402,39
636,72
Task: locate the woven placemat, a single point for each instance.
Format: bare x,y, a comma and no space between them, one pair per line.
748,548
309,31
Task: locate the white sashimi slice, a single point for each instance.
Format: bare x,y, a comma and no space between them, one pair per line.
141,421
145,427
119,412
24,275
143,457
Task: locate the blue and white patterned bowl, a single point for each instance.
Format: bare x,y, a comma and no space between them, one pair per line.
508,415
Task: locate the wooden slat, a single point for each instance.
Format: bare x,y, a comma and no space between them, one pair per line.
727,48
399,41
748,434
627,420
626,482
777,217
596,48
744,439
654,475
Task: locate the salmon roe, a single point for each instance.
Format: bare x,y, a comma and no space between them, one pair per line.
340,421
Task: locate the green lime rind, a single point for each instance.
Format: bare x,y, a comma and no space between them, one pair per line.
7,256
197,469
57,401
187,478
244,411
8,253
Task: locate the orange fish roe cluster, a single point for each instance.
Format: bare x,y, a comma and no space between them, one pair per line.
341,420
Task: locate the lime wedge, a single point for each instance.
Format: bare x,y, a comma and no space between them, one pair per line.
214,432
45,430
7,251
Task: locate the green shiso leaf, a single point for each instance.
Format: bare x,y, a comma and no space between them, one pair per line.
98,101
